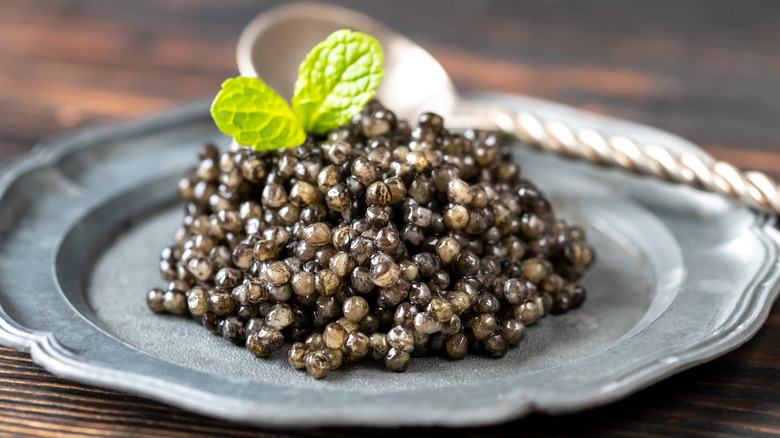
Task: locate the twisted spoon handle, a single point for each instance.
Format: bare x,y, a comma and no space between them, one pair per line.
754,189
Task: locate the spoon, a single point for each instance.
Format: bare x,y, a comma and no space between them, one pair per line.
275,42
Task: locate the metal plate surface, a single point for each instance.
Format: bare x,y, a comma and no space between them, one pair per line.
681,278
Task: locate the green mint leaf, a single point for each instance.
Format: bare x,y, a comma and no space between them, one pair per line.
255,115
337,78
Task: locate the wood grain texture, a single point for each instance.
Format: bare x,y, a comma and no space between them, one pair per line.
707,70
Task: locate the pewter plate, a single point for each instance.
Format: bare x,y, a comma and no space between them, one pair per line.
681,278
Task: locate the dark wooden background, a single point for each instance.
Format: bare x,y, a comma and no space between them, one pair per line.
707,70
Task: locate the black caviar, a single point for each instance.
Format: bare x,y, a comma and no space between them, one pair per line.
379,240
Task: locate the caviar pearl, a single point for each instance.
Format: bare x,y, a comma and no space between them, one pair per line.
296,355
317,364
355,308
401,338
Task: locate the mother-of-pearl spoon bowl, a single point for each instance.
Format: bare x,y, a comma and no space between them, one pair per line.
274,44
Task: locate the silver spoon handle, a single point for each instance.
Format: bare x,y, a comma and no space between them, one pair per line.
754,189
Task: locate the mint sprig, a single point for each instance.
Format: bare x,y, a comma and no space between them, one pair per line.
255,115
337,78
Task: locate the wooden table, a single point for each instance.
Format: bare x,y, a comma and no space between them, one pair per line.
709,71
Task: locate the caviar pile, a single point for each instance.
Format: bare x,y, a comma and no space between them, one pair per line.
381,240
